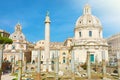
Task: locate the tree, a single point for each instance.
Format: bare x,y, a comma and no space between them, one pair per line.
3,41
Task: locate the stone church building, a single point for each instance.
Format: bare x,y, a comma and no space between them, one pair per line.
88,36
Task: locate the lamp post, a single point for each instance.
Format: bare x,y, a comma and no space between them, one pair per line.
39,65
118,59
88,65
20,66
104,64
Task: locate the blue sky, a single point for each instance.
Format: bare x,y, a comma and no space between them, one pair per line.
63,14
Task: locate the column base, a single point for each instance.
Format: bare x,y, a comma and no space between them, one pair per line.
45,66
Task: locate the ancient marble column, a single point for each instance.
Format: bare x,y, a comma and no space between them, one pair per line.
56,64
47,43
104,64
20,66
13,65
118,59
73,65
1,58
39,66
25,63
96,63
88,65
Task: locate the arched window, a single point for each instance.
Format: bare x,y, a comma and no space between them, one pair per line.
90,33
64,53
80,34
33,62
64,60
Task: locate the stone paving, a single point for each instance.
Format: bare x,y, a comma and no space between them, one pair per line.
7,77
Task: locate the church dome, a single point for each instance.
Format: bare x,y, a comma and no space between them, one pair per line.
18,35
87,19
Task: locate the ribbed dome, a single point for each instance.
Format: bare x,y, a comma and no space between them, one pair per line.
17,35
87,19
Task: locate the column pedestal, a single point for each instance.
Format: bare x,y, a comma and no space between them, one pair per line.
45,66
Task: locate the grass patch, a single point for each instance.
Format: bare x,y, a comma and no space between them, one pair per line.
15,79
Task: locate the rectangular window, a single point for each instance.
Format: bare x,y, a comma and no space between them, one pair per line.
90,33
64,60
91,57
80,34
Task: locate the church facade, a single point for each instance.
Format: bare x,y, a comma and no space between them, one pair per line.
88,37
11,51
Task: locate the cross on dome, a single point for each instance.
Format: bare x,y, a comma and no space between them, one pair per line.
87,9
18,27
87,18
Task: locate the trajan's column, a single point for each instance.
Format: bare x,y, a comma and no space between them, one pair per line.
47,44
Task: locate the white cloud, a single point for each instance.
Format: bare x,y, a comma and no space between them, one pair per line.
112,6
107,10
109,14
